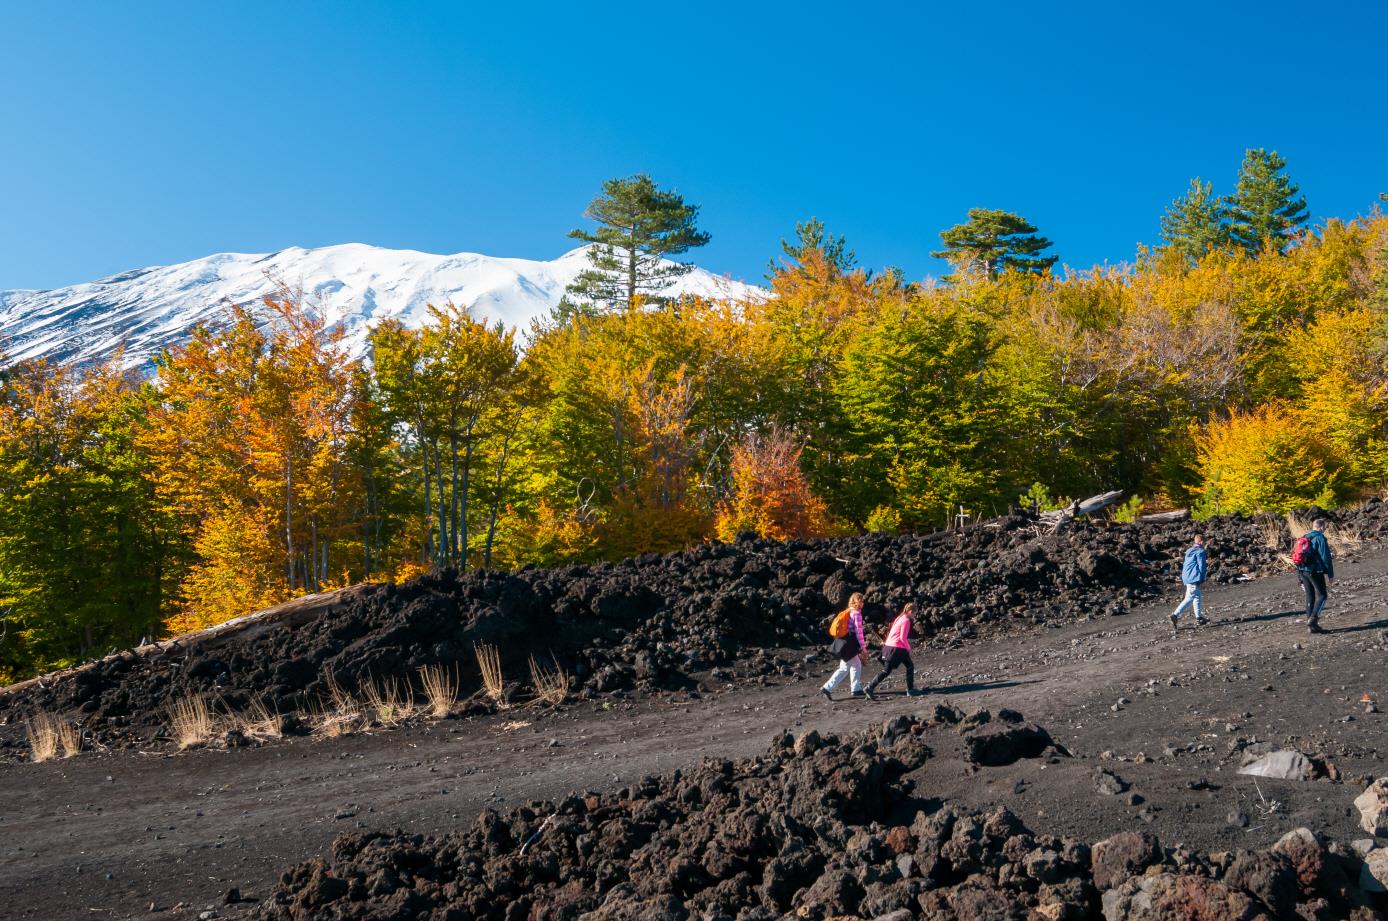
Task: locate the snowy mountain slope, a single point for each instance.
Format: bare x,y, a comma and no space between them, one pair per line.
354,284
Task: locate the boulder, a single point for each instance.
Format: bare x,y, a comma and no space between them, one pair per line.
1284,765
1373,808
1318,871
1373,875
1125,854
998,743
1269,878
1168,897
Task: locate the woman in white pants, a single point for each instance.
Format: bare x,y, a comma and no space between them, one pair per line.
850,651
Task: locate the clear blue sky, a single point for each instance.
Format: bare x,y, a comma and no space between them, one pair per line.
136,134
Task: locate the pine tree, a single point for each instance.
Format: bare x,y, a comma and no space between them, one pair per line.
1266,205
640,225
810,237
1195,223
993,242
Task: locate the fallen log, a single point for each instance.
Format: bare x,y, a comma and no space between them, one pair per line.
1181,514
1087,507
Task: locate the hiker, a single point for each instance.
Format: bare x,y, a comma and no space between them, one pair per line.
1314,566
896,650
1193,571
849,645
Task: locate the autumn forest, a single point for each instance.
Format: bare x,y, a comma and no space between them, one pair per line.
1238,366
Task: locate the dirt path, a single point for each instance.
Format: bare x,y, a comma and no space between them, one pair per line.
110,835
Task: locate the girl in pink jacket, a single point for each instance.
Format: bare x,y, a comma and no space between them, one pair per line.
896,650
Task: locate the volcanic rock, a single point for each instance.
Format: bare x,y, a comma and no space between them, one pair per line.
1284,765
1373,808
1123,855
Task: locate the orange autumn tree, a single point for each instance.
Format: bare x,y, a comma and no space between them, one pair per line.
251,439
770,493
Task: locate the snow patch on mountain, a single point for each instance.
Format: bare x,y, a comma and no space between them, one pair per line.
147,310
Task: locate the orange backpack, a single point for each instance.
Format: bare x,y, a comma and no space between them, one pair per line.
838,627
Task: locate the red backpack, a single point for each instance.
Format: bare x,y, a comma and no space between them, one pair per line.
1302,552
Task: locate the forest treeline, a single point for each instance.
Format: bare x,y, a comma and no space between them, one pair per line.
261,460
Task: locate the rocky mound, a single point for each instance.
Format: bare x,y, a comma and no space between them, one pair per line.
657,620
818,827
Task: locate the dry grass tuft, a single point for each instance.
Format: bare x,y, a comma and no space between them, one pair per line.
339,714
69,739
441,687
489,659
260,722
1297,525
1344,540
190,720
551,685
49,735
388,702
1272,531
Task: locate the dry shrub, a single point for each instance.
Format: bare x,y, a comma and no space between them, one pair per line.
260,722
49,735
441,687
190,721
551,685
489,660
388,702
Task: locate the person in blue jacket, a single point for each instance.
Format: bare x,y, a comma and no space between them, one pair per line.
1317,566
1193,571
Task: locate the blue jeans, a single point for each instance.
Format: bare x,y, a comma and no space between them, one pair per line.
1192,600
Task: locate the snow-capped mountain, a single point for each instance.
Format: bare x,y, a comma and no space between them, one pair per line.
353,284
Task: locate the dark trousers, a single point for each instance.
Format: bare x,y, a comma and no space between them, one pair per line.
893,657
1313,584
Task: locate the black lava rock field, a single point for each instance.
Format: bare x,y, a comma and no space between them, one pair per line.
816,828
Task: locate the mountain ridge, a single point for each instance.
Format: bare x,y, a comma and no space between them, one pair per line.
355,284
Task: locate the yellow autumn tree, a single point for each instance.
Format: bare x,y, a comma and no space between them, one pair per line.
1267,459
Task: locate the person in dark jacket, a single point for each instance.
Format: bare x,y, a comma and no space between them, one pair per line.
1194,568
1315,571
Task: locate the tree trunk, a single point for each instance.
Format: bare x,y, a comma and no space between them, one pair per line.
289,516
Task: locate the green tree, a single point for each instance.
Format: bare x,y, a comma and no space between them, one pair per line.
1195,223
994,241
811,237
440,385
84,552
1266,205
917,419
639,227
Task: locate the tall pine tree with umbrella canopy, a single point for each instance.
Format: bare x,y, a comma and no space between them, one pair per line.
994,241
1266,205
639,227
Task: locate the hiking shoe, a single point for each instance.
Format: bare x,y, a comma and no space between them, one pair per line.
916,693
867,692
1202,621
1316,627
858,693
828,695
1175,622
